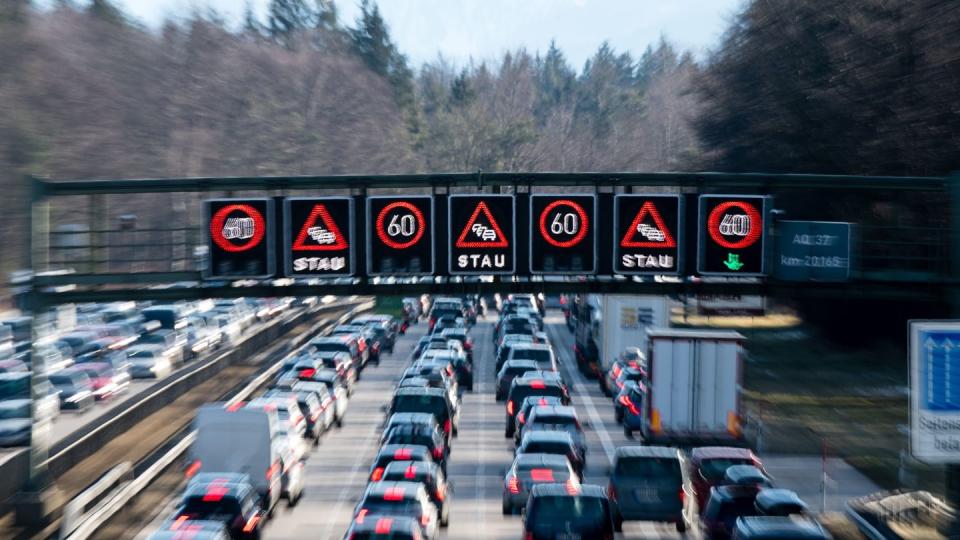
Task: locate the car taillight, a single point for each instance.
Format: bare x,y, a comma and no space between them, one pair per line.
194,468
510,408
571,487
440,494
425,520
521,418
251,524
376,475
541,475
513,485
307,373
437,453
447,425
360,515
528,536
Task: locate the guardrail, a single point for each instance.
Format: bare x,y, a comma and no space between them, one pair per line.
85,526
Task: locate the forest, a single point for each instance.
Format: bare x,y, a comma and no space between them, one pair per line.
859,87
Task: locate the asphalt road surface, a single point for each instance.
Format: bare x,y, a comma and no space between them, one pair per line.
337,470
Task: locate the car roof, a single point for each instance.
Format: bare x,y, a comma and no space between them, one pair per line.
521,363
534,346
379,489
425,467
391,449
585,490
547,436
411,418
793,527
646,452
556,410
554,460
416,391
741,473
228,485
774,496
720,452
528,381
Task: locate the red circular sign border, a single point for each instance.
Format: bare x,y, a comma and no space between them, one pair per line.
220,217
579,236
713,225
385,238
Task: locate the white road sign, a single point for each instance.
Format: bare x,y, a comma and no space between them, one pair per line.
935,391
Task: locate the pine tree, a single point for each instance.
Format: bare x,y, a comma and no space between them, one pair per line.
555,81
289,16
105,10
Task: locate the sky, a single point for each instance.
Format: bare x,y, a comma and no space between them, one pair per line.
465,30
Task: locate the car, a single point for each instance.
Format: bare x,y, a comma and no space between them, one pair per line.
344,343
441,373
629,403
338,393
415,382
428,400
552,442
397,452
171,342
522,388
746,476
148,362
504,351
420,434
565,511
462,336
726,504
225,497
367,341
75,390
780,502
514,324
779,528
385,528
342,364
428,474
627,374
528,404
709,463
541,353
15,422
310,407
649,483
530,469
291,425
328,406
558,418
17,385
194,529
401,499
510,371
629,357
106,381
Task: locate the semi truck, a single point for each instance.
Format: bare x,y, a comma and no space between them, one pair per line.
693,386
608,324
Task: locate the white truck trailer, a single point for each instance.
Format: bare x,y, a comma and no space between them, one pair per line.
694,384
608,324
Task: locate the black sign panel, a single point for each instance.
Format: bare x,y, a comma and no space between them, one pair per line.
318,236
563,234
240,238
647,234
481,234
732,235
400,238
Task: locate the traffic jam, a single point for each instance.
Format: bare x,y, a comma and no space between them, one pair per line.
703,482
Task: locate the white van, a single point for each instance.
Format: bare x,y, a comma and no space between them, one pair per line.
239,440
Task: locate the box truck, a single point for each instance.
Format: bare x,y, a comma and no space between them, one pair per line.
692,393
608,324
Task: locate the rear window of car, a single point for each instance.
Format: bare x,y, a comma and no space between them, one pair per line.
713,469
420,403
644,467
519,392
731,510
546,448
540,355
406,507
208,506
392,535
409,438
331,346
556,419
559,511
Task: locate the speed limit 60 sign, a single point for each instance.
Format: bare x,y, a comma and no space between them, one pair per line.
563,234
400,237
733,235
240,240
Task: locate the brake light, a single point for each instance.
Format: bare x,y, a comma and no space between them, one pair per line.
528,536
541,475
383,526
307,373
513,485
468,346
251,524
537,384
425,520
616,370
440,494
393,494
234,406
376,475
437,453
402,454
178,522
510,408
194,468
273,470
521,418
410,473
360,515
572,488
447,425
215,493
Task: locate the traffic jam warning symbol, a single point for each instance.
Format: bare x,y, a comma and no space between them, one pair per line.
647,231
563,234
732,235
321,230
400,238
239,241
483,226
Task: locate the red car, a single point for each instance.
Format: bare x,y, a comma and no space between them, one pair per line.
709,463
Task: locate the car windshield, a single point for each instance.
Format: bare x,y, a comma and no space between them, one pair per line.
330,346
18,411
420,403
209,506
648,467
566,513
714,469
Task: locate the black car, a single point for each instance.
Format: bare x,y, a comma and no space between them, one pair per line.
510,371
427,400
75,389
425,435
523,388
552,442
779,528
228,498
397,452
383,527
556,510
649,483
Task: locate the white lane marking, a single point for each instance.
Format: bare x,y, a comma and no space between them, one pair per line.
573,373
482,509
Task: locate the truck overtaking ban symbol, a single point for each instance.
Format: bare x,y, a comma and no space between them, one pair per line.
746,227
224,227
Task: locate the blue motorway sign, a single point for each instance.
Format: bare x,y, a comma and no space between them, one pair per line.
935,391
813,251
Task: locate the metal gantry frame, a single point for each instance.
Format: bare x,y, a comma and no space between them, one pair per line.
50,289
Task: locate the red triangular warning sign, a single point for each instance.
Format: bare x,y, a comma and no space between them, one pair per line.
483,236
323,237
654,237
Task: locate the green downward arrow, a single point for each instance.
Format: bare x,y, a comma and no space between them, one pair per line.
733,262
